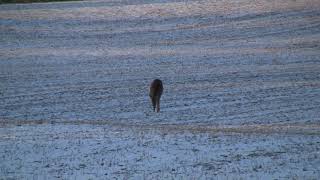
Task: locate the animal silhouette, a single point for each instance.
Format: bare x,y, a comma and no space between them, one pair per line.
156,89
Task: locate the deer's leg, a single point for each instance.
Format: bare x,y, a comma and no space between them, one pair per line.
158,103
153,99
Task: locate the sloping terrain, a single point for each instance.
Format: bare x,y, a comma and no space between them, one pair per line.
241,89
221,62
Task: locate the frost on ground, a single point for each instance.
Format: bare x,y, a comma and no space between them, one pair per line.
222,62
99,152
241,89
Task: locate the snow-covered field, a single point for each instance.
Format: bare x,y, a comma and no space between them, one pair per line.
86,151
241,98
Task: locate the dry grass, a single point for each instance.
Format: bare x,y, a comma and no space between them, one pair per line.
29,1
279,128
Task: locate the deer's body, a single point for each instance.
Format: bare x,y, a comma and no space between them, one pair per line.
156,89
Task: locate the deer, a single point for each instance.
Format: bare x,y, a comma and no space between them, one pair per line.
156,89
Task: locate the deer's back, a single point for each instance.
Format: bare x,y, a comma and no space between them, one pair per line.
156,88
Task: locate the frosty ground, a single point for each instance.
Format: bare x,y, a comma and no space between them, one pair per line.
241,98
84,151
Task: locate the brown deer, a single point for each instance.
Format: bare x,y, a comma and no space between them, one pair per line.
156,90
